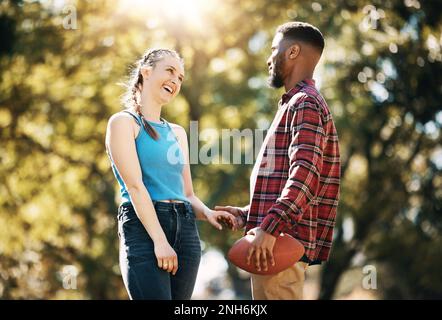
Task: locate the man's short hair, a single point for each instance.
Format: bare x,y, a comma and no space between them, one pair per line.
304,32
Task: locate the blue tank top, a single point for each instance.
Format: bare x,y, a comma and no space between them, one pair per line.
161,163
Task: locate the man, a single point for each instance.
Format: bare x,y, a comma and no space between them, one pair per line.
294,184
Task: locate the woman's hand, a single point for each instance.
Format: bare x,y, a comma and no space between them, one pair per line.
216,218
166,257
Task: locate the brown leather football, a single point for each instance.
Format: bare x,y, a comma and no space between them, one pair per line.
286,252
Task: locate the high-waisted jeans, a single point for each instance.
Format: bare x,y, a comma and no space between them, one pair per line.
139,268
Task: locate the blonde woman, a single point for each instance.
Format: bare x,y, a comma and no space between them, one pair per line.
159,242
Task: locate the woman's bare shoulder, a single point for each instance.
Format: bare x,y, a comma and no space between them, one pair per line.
175,126
120,121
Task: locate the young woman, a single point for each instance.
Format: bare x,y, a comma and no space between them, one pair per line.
159,242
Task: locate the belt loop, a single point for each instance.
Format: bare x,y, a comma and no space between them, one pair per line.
190,207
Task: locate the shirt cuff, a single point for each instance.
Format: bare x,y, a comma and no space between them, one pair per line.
244,212
273,224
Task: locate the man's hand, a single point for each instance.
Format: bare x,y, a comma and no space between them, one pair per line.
235,211
261,248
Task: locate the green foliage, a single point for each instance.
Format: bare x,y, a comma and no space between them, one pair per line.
381,76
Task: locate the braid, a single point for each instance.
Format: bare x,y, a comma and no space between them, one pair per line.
147,126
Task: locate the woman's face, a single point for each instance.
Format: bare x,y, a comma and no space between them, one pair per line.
164,80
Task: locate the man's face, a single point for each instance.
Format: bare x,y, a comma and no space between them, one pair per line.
275,62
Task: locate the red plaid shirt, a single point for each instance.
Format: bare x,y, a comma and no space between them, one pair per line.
295,181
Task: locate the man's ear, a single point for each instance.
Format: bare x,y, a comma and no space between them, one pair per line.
293,51
145,71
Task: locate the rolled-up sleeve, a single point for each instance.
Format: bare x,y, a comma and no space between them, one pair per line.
244,212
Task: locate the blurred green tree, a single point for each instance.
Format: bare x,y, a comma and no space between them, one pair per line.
381,74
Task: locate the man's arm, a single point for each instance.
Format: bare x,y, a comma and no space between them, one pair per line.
306,156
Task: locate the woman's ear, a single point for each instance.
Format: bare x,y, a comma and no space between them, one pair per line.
145,71
293,51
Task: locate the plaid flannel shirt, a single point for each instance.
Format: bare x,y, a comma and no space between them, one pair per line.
295,181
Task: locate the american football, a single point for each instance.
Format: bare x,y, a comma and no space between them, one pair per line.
286,252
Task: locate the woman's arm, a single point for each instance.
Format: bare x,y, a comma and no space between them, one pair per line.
120,141
202,212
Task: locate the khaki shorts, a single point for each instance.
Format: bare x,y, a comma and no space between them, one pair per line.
286,285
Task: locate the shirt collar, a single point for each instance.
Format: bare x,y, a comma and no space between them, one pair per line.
289,94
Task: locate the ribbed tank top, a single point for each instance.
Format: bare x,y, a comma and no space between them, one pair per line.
161,163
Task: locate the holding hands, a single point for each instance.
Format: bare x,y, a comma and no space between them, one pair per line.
237,223
217,218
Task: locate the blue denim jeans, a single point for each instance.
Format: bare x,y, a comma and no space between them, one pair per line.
142,277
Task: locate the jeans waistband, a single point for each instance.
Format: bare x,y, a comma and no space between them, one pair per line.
166,205
170,205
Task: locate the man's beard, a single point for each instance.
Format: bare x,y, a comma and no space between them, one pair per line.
275,79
